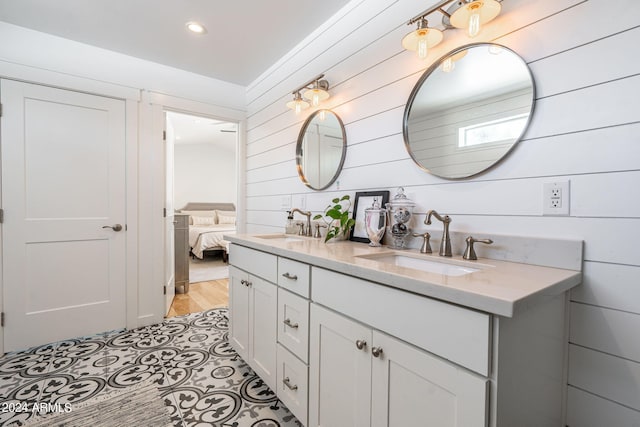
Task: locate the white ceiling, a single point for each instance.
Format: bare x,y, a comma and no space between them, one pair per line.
190,129
244,37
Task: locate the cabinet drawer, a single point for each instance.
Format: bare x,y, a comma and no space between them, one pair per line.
293,384
455,333
293,323
294,276
258,263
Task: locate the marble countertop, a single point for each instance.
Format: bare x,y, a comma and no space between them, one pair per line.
498,287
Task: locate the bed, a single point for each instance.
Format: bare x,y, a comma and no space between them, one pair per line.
208,223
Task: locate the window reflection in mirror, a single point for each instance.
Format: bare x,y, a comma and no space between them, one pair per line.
321,149
468,110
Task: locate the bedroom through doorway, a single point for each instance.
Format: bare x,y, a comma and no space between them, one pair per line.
201,154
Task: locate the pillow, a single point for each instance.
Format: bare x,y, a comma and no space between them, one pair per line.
226,219
203,220
191,214
226,213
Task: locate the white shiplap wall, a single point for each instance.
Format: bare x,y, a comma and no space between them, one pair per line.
586,129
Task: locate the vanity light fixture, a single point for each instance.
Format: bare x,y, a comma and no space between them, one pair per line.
318,92
471,15
422,39
466,14
315,90
298,104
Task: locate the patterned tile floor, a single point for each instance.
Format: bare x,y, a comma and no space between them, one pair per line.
200,377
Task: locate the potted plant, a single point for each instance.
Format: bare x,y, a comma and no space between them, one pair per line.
339,223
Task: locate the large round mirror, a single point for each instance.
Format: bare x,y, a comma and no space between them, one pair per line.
468,110
321,149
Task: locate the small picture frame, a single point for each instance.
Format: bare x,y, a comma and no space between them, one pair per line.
364,200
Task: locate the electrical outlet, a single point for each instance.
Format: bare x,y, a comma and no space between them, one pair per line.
285,203
301,202
555,198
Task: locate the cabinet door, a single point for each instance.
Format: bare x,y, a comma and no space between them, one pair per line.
239,311
263,317
412,387
340,372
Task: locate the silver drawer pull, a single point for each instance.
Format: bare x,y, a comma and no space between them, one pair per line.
289,276
288,384
289,324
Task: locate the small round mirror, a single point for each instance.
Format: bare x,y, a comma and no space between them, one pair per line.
468,110
321,149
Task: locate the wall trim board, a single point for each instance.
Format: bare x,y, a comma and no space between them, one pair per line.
28,74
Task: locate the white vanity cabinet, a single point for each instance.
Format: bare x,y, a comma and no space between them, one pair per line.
362,377
269,321
253,310
340,372
343,344
411,387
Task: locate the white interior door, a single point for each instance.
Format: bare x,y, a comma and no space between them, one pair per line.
169,225
63,175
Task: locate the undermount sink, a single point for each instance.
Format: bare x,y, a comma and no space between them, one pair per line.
283,237
422,264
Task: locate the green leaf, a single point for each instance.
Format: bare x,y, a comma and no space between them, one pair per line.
334,214
345,197
317,217
336,200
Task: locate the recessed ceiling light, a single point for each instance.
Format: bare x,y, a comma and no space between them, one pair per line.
196,27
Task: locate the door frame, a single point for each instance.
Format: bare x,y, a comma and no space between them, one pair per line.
158,103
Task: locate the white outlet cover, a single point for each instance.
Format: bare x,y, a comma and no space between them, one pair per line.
555,198
285,203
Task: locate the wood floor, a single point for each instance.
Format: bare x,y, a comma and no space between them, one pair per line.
201,296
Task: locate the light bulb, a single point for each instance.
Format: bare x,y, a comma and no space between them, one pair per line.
315,99
423,48
298,108
448,65
196,27
474,23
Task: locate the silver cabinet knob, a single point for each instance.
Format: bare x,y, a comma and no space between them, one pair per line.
116,227
361,344
376,351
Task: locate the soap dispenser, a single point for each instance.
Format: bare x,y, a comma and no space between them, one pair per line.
290,226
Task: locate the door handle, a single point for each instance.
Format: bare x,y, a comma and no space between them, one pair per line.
116,227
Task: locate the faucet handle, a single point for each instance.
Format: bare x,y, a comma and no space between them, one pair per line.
470,253
426,247
301,228
317,232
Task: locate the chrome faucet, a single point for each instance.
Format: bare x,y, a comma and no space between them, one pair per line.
445,243
308,215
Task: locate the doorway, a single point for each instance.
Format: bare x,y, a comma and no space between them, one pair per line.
201,175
